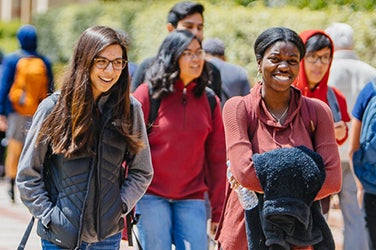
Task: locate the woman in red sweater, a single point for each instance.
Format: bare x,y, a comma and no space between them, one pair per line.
187,146
272,117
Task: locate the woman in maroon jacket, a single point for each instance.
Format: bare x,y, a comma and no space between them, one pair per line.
187,147
274,116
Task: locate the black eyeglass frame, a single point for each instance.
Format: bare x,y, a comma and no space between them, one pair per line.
107,62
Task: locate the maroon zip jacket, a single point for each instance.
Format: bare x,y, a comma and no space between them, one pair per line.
187,145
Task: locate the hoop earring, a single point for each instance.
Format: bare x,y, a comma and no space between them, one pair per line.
258,77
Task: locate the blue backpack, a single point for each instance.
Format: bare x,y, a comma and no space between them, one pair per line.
364,159
333,104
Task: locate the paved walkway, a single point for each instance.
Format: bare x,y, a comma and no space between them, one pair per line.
14,218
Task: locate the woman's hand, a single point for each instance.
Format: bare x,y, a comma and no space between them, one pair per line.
231,179
340,130
213,227
3,123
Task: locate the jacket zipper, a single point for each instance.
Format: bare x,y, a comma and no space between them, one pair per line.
184,102
84,210
98,162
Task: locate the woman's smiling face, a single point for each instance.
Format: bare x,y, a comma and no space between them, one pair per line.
280,66
191,62
103,79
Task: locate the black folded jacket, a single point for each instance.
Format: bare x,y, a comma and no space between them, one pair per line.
291,179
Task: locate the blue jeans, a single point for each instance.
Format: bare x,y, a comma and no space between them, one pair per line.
164,222
112,243
370,210
355,234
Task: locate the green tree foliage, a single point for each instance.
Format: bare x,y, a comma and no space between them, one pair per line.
8,36
236,22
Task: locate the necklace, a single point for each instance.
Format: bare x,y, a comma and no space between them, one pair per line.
282,116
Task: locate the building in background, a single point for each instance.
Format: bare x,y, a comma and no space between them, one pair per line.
24,9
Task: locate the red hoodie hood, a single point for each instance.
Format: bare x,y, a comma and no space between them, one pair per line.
301,83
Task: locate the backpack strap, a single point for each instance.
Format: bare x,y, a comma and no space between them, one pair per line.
211,98
153,111
333,104
26,235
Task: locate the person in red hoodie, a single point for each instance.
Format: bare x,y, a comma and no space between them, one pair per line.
187,145
313,82
275,116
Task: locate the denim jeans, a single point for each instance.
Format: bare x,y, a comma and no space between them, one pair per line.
370,210
355,233
112,243
164,222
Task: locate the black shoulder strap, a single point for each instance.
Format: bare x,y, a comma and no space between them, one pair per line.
131,220
153,112
26,235
211,98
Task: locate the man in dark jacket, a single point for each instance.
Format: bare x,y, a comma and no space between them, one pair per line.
234,78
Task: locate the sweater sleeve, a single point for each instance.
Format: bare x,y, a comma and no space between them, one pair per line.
215,174
30,168
238,145
325,145
344,113
140,172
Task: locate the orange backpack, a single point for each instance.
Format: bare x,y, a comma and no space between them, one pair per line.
30,85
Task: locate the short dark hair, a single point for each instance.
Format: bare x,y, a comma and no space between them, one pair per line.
183,9
318,42
214,46
277,34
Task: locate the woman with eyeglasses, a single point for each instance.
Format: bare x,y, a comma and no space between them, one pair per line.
187,147
313,82
71,174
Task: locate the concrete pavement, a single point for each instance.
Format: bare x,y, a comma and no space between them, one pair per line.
14,218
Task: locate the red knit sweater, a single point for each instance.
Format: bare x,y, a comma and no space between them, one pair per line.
187,147
270,135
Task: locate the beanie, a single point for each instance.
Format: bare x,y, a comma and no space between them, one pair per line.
214,46
27,36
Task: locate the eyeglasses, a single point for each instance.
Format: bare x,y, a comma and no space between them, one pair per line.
312,58
117,64
200,54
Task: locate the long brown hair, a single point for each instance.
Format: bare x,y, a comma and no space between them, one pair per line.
69,127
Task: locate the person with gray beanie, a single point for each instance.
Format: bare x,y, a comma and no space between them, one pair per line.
349,74
234,78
